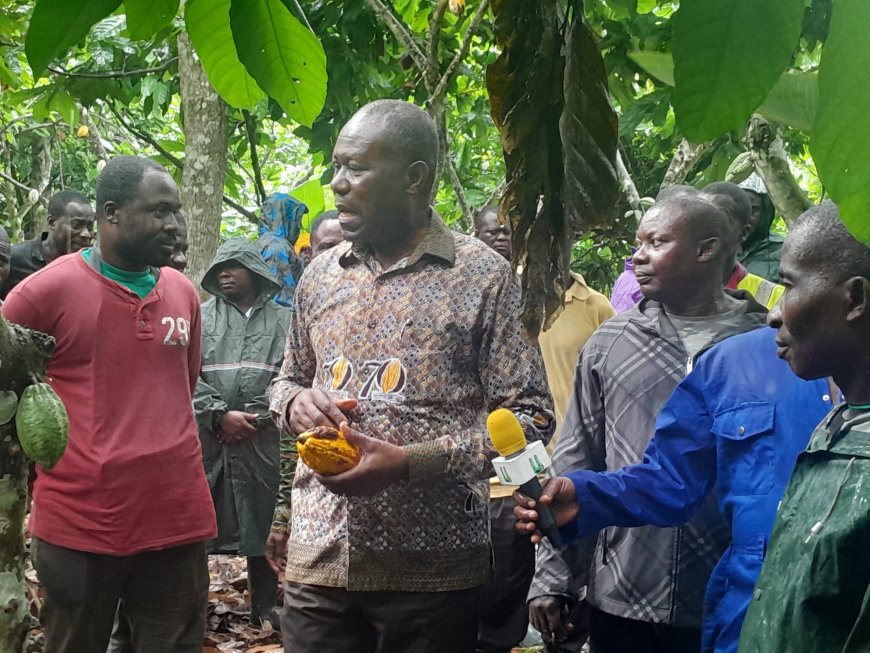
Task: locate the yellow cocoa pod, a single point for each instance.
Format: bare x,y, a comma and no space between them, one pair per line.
326,451
83,131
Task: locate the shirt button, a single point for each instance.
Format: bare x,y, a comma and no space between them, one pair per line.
826,397
373,324
741,431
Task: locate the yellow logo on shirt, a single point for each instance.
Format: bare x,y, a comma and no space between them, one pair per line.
386,380
340,372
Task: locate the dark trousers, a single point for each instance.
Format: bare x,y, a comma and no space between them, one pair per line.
504,613
612,634
263,586
334,620
164,594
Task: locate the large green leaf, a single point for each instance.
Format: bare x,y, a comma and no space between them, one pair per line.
728,54
793,101
284,57
841,134
56,25
146,17
658,64
208,25
311,195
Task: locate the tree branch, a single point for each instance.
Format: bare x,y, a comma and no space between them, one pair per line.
628,187
684,161
769,157
400,31
251,132
461,53
435,21
94,135
467,217
115,74
178,163
12,180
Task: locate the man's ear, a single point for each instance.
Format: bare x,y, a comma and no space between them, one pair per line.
417,176
708,249
110,210
858,298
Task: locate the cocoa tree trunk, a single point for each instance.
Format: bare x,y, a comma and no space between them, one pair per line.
24,355
205,160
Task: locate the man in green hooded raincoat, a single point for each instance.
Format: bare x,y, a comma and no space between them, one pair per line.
813,595
243,335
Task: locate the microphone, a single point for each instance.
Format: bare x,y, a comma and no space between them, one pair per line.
518,464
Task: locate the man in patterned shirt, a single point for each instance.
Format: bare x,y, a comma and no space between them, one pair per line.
410,329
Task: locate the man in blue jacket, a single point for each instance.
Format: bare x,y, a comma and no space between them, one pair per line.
735,425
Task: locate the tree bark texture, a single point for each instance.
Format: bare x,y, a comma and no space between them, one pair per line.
23,358
769,158
685,159
205,160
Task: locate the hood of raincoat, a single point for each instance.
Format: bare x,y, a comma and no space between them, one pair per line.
755,184
246,254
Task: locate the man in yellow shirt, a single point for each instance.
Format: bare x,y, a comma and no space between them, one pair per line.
585,310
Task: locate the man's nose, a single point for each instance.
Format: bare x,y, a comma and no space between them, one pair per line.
639,255
339,184
774,317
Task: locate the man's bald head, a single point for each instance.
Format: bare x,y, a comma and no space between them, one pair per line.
675,190
819,240
733,200
404,130
700,217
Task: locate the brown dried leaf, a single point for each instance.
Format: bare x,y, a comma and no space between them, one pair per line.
558,133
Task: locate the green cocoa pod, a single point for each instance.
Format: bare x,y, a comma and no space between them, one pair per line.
42,424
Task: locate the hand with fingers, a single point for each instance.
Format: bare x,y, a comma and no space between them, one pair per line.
276,551
559,495
235,426
381,465
549,616
314,407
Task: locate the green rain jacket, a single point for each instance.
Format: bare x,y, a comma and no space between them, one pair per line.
813,595
240,357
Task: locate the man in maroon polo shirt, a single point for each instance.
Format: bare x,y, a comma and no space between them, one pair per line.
125,513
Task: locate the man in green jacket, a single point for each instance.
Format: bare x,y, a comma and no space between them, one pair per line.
813,594
243,336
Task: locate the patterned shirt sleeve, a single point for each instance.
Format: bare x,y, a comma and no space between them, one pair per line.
297,373
299,367
512,374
